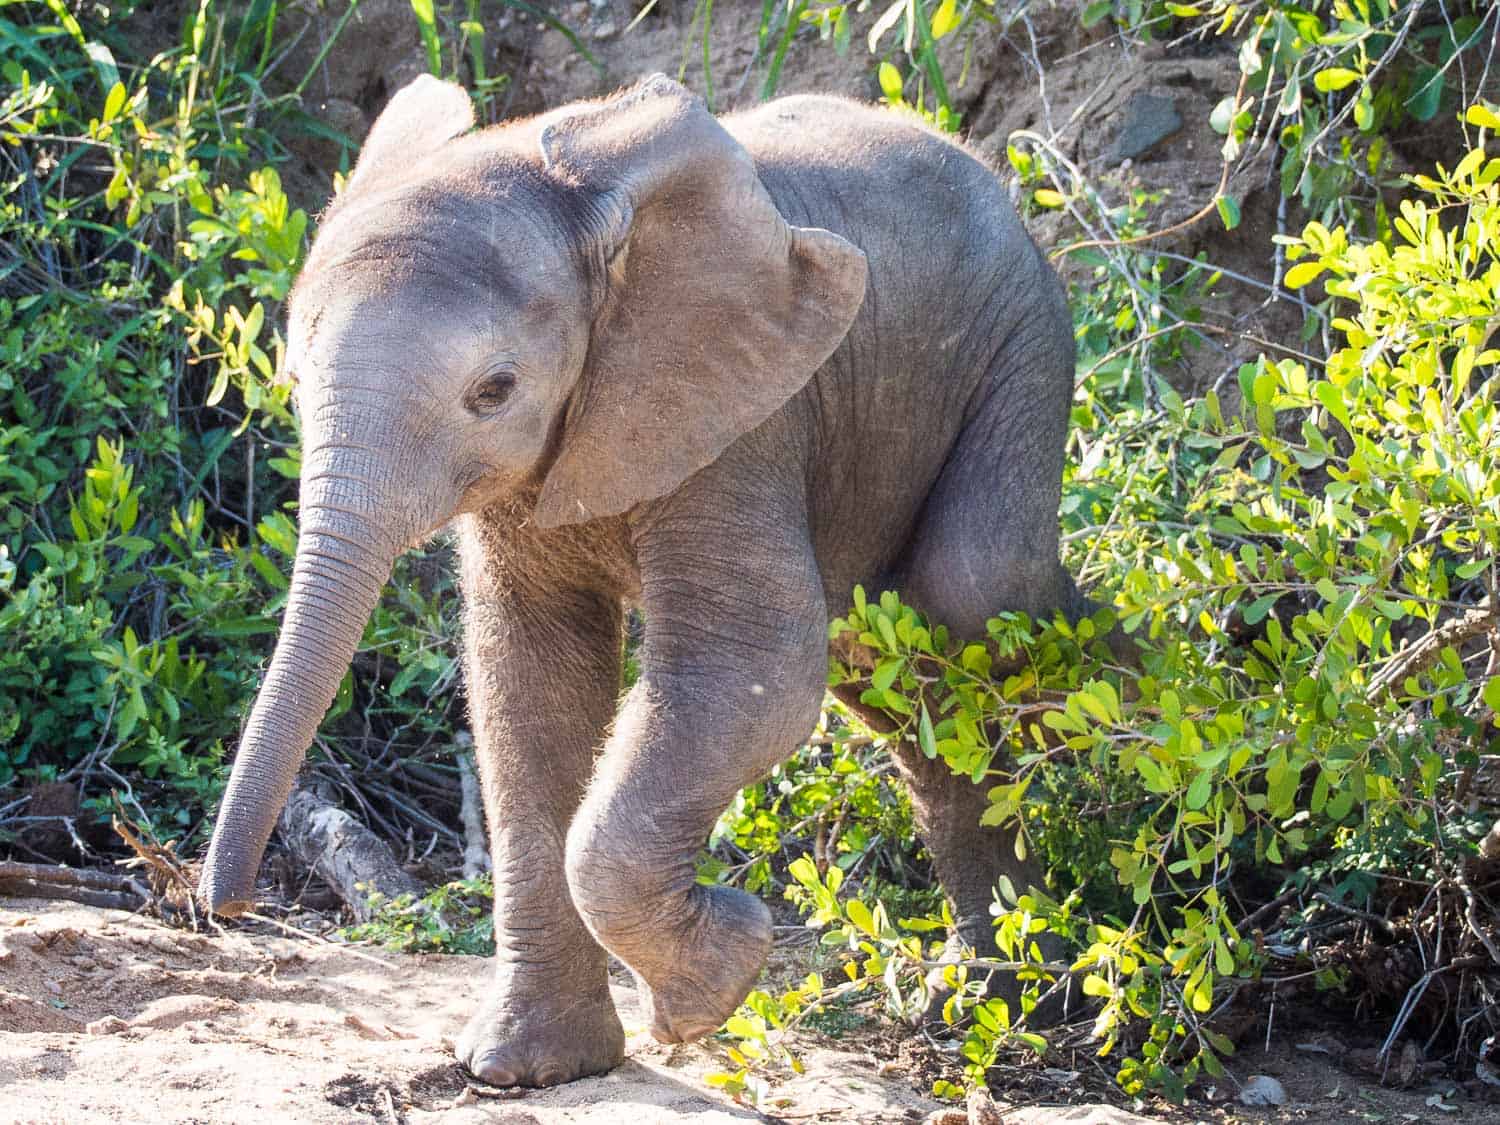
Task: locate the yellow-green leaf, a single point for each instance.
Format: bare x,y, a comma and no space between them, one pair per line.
113,101
1483,116
1335,78
1302,273
890,82
945,19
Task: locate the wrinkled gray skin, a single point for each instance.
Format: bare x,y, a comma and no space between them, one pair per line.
720,370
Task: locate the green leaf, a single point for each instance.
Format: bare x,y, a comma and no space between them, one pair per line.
1256,611
925,737
1229,211
1492,695
1199,791
1427,93
427,25
860,915
1096,11
1221,119
1332,399
886,672
890,82
221,384
1335,78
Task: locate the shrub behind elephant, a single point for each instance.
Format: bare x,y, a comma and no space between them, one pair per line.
722,370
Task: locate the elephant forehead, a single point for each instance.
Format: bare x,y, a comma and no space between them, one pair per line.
472,235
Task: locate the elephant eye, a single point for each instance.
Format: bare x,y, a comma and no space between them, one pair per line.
489,394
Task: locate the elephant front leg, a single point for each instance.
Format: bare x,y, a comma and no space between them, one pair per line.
543,676
731,680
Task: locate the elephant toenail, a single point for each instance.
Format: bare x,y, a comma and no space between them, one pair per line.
696,1031
495,1075
551,1076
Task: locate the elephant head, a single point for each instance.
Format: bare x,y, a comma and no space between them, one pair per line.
569,315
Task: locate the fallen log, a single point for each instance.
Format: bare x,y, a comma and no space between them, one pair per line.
340,850
72,884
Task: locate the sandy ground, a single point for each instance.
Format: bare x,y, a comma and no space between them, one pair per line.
110,1017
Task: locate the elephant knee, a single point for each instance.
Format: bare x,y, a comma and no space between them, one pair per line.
614,875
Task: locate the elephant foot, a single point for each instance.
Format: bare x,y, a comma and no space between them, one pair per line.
542,1039
714,964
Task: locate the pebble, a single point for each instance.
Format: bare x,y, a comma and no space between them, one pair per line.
1262,1089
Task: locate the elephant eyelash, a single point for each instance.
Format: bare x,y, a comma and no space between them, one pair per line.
490,393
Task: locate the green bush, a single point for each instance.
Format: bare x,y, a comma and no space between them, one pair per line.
1309,601
453,918
147,446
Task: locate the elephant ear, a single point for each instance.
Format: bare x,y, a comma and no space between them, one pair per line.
717,311
421,116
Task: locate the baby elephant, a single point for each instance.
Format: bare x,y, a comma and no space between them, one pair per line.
723,370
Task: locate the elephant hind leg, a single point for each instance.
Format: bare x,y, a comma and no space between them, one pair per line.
968,858
987,541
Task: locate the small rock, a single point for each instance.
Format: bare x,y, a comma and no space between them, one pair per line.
946,1117
1262,1089
606,30
1148,120
109,1025
1487,1068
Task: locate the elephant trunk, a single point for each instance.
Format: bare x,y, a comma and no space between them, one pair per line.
345,552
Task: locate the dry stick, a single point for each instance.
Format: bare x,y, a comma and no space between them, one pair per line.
1254,919
62,875
1471,916
154,856
315,939
1427,651
1361,915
